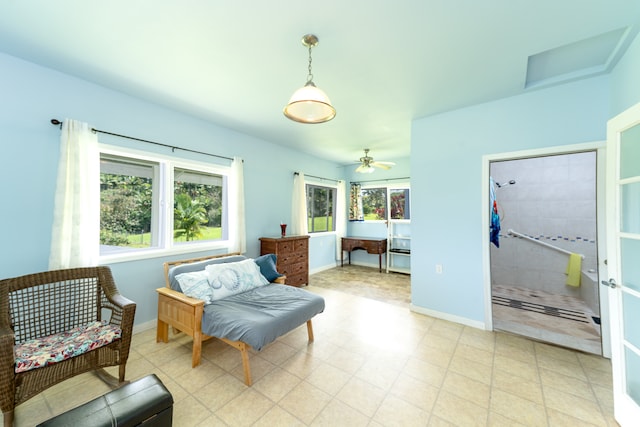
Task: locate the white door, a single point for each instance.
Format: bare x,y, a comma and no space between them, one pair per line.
623,248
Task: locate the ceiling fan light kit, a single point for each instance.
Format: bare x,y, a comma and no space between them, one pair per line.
309,104
368,165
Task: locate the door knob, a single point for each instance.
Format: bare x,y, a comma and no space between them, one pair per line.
611,283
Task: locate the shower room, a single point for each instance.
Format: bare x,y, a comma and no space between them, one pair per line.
543,249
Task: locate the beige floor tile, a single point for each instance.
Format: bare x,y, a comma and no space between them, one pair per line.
437,356
471,369
558,353
305,402
567,384
524,354
328,378
574,406
277,352
337,413
278,417
425,371
276,384
347,360
220,392
517,368
473,353
497,420
435,421
396,412
414,391
521,410
378,373
361,395
560,419
189,412
459,411
521,387
245,409
467,388
478,338
570,369
445,343
301,364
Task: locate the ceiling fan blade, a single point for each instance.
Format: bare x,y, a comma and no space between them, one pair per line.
382,165
360,168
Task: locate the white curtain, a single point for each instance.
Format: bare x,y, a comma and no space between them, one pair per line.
75,236
341,217
299,225
237,228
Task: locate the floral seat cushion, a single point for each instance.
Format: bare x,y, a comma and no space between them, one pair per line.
45,351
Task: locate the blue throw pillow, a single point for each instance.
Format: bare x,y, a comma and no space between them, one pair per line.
267,264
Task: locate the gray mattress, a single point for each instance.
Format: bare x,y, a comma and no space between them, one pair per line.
259,316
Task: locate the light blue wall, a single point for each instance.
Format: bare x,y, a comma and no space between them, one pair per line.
446,172
32,95
625,83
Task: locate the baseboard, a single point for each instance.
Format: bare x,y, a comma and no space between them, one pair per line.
324,267
447,316
144,326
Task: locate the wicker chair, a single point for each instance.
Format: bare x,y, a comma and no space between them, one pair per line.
42,304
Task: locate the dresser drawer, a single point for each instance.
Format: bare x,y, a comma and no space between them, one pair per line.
292,258
297,280
290,269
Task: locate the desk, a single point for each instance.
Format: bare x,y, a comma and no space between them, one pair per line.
372,245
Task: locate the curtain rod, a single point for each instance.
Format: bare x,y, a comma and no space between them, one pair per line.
173,148
386,179
318,177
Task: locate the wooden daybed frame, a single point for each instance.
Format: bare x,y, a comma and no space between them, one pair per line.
184,314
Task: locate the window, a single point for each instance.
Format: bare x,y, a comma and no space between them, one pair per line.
383,203
149,203
374,203
399,203
320,208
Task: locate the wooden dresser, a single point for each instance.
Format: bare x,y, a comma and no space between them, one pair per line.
292,257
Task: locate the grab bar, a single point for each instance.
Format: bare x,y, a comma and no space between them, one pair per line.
524,236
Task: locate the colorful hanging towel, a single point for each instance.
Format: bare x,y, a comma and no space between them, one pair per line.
574,269
495,225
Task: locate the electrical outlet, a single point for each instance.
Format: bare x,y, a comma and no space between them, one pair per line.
439,268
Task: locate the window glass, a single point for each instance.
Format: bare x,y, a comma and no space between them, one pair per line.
126,212
399,203
374,203
150,202
320,208
197,206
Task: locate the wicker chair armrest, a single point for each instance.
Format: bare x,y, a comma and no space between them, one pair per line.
7,363
280,279
179,296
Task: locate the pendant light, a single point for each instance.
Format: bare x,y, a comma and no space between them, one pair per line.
309,104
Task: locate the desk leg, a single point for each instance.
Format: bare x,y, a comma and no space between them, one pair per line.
380,262
341,258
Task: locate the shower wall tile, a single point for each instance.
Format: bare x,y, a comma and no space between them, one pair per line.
554,198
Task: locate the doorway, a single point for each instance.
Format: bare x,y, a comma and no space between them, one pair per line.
544,258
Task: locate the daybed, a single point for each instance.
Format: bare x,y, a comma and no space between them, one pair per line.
241,313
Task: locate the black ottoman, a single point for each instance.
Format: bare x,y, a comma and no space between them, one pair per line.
143,402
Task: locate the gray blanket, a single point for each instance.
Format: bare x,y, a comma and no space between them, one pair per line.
259,316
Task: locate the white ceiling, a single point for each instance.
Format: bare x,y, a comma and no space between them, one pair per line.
383,63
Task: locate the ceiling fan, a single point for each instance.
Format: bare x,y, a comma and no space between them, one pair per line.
368,165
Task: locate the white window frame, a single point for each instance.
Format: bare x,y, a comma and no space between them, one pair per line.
163,198
388,187
334,187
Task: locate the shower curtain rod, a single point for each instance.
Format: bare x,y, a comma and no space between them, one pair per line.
524,236
173,148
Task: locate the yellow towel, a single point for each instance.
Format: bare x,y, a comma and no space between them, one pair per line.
573,270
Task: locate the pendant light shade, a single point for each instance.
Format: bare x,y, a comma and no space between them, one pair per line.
309,104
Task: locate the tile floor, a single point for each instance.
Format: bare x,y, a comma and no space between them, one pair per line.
576,330
372,364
